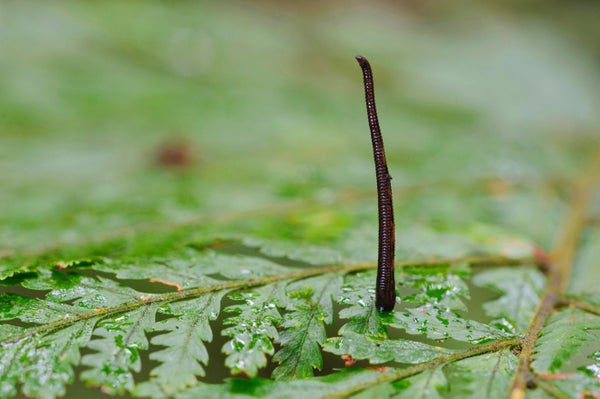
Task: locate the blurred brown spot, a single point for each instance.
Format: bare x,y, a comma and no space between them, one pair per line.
381,369
61,265
176,154
348,360
542,258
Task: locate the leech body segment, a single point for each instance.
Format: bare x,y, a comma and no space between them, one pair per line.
385,294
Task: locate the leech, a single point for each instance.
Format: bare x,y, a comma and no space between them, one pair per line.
385,288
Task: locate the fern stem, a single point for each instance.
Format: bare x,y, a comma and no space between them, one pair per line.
146,299
559,269
398,374
550,389
581,305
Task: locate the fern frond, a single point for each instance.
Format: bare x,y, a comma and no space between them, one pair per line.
442,324
310,308
254,327
562,338
358,297
485,376
185,333
119,340
379,351
521,290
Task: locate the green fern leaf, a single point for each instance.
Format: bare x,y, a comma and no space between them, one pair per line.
310,308
441,324
562,338
520,289
240,262
485,376
358,297
43,363
379,351
53,359
586,274
253,329
440,287
118,344
581,383
430,384
384,390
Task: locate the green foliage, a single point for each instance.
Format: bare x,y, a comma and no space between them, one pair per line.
310,307
561,339
430,384
185,351
383,350
117,346
486,376
188,205
253,329
520,290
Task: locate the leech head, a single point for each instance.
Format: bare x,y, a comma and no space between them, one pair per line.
385,287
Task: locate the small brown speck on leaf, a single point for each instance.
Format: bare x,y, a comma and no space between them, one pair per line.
377,368
176,154
542,258
348,360
165,282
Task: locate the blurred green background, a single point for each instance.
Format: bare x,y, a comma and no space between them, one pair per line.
120,115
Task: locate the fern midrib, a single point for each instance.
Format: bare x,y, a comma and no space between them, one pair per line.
146,299
581,305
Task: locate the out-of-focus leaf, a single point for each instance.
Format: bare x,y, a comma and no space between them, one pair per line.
565,335
485,376
520,291
586,272
430,384
163,162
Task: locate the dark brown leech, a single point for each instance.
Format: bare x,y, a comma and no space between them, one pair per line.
385,294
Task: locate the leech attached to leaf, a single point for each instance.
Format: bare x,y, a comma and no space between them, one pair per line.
385,295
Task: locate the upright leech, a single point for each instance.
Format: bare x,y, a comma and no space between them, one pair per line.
385,295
